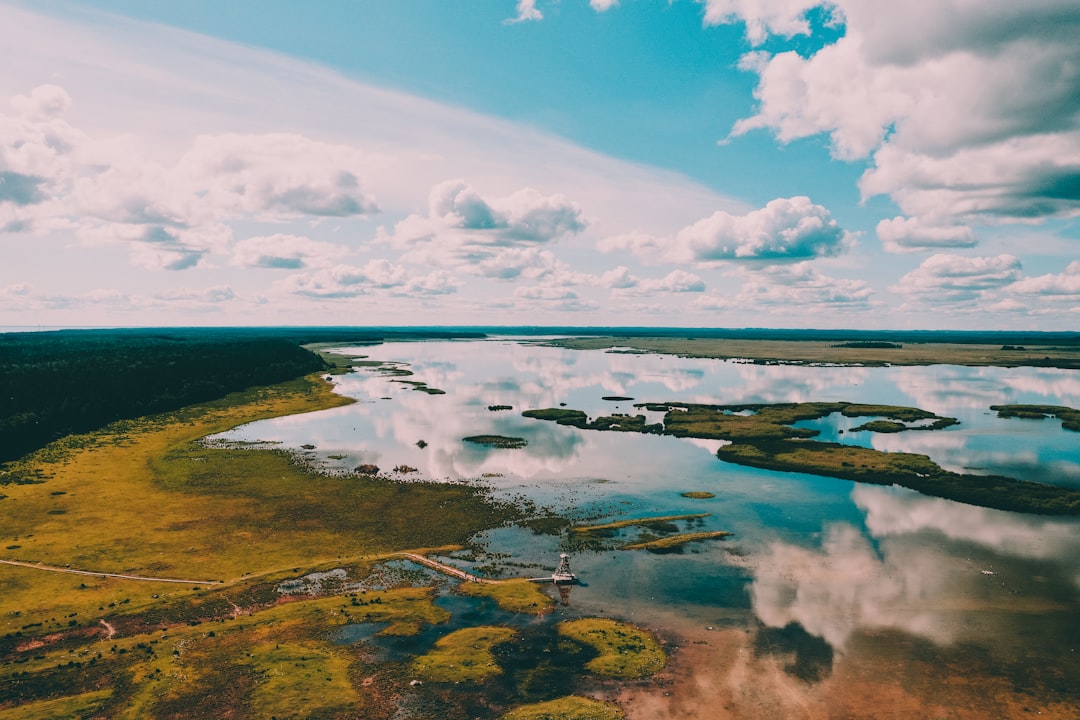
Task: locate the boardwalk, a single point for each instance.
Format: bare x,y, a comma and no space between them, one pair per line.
448,569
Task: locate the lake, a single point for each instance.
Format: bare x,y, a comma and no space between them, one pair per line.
829,594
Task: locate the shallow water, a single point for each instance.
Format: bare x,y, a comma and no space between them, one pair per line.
825,565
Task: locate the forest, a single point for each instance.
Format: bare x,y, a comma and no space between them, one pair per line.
56,383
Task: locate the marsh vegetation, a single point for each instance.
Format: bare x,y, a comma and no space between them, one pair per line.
766,436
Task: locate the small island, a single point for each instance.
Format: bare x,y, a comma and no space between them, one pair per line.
1069,417
497,441
765,436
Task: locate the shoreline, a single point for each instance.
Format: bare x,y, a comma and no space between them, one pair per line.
819,352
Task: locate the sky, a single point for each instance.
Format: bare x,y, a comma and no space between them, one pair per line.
688,163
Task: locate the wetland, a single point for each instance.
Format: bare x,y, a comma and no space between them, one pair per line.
803,539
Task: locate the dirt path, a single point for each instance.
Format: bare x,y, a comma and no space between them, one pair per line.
53,568
108,628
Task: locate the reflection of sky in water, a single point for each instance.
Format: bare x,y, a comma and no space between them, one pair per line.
834,557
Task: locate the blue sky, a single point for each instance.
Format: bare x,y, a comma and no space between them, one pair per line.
767,163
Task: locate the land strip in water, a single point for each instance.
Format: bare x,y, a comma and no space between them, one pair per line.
1064,354
765,436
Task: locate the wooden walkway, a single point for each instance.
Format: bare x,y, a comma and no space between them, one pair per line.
448,569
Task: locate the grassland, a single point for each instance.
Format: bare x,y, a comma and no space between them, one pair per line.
805,352
571,707
463,655
625,651
148,497
520,597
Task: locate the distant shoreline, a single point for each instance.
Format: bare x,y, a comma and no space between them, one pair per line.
828,352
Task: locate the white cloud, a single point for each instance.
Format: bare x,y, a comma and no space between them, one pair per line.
37,148
781,288
170,216
970,111
526,10
282,251
901,234
958,281
374,277
785,230
1065,283
712,301
603,5
500,237
762,17
625,283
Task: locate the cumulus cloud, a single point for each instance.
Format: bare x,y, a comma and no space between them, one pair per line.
970,112
526,10
374,277
171,216
785,230
957,280
901,234
37,148
1065,283
763,17
287,252
502,237
603,5
551,297
801,286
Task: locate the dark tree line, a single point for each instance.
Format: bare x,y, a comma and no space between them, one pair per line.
54,384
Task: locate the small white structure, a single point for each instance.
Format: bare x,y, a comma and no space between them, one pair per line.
562,573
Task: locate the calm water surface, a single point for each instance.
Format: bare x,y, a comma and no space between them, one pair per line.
835,563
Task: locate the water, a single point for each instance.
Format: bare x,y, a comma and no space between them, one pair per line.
821,564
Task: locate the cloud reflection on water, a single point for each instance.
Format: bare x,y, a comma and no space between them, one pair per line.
933,568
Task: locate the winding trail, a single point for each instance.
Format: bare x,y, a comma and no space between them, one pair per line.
90,573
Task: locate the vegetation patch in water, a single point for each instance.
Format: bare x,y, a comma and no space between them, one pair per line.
463,655
674,543
571,707
616,525
698,495
763,435
515,596
497,408
1070,417
497,441
576,418
625,651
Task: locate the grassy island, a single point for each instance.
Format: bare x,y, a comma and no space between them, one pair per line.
632,522
625,651
571,707
516,596
497,441
463,655
1070,417
765,436
675,543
